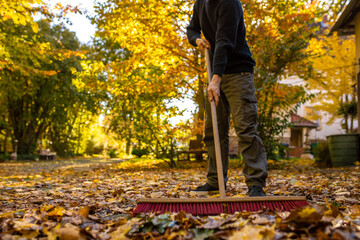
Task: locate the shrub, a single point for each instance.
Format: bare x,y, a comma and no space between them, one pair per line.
4,156
322,154
139,152
30,156
113,153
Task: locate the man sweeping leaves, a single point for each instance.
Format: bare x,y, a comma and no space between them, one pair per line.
232,89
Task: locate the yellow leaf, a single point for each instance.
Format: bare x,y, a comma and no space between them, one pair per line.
57,212
306,212
35,27
50,234
215,196
120,232
46,208
329,211
355,210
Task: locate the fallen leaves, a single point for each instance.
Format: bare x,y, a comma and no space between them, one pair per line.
96,202
70,233
306,215
255,233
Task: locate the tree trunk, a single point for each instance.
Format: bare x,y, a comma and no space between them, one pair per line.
157,152
5,141
128,144
200,99
346,116
127,121
171,155
79,136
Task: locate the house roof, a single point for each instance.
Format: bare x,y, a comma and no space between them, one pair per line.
345,24
299,121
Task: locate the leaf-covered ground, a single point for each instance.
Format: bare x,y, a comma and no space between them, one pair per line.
94,199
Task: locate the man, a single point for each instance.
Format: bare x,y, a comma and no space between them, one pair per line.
232,88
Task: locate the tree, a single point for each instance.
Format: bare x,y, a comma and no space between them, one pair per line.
153,34
334,76
278,34
42,97
29,64
143,77
153,37
332,8
18,13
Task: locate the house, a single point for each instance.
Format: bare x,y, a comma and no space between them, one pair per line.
308,125
348,24
304,132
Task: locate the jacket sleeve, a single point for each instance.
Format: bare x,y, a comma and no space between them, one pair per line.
193,30
229,15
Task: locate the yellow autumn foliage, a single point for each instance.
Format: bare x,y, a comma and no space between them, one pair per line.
333,59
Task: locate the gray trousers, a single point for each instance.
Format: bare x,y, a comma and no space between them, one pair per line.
238,95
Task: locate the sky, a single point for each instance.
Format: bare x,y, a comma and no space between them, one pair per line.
80,24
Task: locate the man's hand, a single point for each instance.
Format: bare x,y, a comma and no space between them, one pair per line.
202,44
214,89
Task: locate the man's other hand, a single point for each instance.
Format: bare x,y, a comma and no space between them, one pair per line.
214,89
202,44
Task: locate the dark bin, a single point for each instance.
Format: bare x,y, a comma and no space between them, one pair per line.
344,149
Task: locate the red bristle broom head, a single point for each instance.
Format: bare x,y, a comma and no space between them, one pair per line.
229,205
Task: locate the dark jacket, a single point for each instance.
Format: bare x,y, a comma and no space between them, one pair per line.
222,23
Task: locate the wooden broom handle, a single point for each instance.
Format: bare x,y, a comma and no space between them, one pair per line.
219,166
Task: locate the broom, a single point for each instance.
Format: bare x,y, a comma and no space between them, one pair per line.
223,204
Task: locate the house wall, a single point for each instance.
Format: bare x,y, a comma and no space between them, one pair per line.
324,128
315,135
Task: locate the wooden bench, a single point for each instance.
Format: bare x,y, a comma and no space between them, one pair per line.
47,155
195,148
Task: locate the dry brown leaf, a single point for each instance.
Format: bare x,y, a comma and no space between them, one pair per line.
84,211
355,210
120,232
254,233
70,233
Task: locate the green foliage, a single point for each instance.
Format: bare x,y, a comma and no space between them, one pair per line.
27,157
282,151
139,152
44,102
4,156
275,116
90,147
278,45
322,154
113,153
348,108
